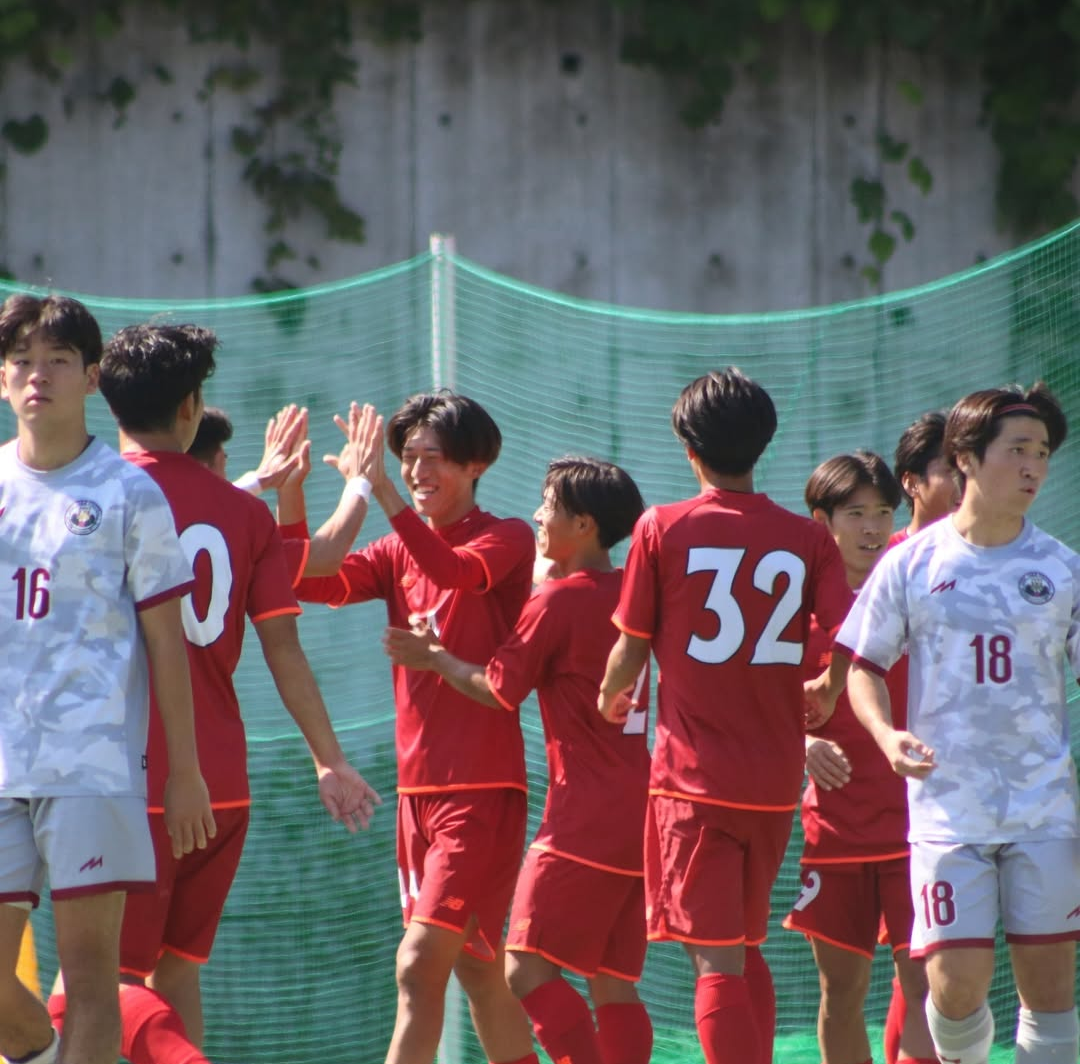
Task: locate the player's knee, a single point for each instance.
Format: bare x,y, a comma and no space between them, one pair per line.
416,974
844,990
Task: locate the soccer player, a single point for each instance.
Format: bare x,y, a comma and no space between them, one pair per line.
928,482
988,607
854,809
461,767
721,587
152,377
580,901
93,576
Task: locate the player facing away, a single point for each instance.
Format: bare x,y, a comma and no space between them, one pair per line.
988,607
721,587
579,904
854,809
90,617
152,377
461,767
927,480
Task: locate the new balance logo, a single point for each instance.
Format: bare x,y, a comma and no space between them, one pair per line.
945,585
94,862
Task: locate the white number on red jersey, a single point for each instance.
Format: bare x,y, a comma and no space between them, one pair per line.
638,716
194,539
770,649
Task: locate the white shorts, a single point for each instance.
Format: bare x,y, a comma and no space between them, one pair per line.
86,844
960,892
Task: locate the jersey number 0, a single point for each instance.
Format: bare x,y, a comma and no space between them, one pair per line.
196,539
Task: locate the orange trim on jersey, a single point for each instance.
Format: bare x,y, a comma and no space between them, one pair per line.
585,861
346,588
483,565
552,959
134,971
444,789
236,803
789,926
502,701
304,555
657,793
293,611
630,631
186,956
670,936
854,860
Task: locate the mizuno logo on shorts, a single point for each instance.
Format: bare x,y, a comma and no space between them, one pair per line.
94,862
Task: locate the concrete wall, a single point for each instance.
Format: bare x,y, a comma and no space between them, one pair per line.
573,175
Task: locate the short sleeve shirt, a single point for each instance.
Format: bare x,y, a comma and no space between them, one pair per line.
83,549
989,633
724,586
235,549
598,773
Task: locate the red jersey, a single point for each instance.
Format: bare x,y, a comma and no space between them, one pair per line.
866,819
297,540
897,537
723,585
468,581
234,547
598,773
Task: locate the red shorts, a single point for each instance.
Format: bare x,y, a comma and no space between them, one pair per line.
709,870
182,914
855,905
579,917
458,858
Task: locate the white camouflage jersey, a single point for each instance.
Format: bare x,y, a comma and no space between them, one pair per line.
82,549
989,631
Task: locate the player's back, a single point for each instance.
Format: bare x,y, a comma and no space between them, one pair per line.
736,580
234,547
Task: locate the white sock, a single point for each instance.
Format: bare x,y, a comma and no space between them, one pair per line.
1047,1037
965,1041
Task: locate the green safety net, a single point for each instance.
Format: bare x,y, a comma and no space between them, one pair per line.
303,969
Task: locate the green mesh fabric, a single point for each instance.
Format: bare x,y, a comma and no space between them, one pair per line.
303,970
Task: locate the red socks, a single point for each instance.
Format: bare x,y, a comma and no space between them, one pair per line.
726,1024
151,1030
625,1033
894,1023
562,1022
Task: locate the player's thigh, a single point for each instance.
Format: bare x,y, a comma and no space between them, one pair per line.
95,844
201,886
13,923
1040,891
894,900
1045,975
22,868
954,891
87,940
843,973
838,905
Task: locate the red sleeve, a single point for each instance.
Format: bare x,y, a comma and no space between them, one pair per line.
442,564
636,613
364,575
271,590
831,595
517,667
297,530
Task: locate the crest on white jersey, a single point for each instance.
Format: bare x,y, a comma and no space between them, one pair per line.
1037,588
83,517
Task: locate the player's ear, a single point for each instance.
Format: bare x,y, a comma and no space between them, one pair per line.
93,376
910,483
819,515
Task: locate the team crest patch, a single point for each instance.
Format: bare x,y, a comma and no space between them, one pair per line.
1037,588
83,517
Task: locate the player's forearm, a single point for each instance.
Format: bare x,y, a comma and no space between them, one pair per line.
298,690
335,538
166,652
465,677
625,662
869,697
291,505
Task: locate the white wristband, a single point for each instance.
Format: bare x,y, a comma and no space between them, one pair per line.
359,486
249,482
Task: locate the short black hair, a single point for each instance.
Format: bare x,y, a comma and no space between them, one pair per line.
466,431
919,444
726,419
60,318
838,478
147,371
215,430
598,489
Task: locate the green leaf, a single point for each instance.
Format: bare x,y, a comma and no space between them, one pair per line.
773,10
119,93
919,175
871,274
869,199
820,15
892,150
881,245
911,92
27,136
904,224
